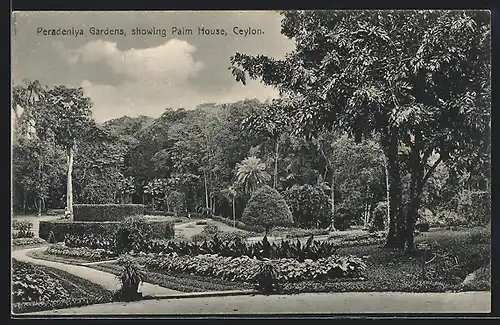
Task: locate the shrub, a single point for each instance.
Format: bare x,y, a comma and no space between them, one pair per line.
267,278
379,217
267,208
130,276
310,205
245,269
106,212
133,231
475,207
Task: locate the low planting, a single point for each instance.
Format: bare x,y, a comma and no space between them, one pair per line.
106,212
90,254
37,288
235,248
246,269
34,241
178,282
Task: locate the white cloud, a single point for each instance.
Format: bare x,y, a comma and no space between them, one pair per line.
157,78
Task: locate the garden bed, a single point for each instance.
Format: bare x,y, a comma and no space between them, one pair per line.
179,282
25,243
37,288
43,255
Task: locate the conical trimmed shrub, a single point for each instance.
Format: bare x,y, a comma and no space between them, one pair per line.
267,208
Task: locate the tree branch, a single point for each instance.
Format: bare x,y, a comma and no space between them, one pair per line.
428,174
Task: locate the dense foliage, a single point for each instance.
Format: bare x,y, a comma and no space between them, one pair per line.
245,269
233,248
267,208
32,284
106,212
310,206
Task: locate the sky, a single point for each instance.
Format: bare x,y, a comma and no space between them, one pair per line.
144,74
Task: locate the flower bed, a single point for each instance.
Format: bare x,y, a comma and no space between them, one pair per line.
178,282
234,248
30,283
95,254
28,241
38,288
245,269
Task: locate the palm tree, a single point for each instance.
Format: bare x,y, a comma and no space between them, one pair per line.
230,193
251,173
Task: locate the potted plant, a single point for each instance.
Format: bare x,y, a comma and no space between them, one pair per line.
267,277
131,277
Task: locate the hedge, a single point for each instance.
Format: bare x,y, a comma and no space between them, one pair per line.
160,228
106,212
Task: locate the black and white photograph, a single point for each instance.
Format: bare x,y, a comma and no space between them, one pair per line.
215,163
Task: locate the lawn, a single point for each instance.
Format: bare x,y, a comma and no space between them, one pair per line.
37,287
457,253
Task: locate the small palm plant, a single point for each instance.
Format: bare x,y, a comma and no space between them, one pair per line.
130,276
267,278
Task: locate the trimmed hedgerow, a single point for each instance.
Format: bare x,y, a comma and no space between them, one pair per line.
106,212
89,232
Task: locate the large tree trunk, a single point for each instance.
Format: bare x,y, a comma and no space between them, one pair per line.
395,236
276,163
234,214
332,194
206,189
69,183
387,187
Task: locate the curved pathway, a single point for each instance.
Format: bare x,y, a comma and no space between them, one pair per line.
106,280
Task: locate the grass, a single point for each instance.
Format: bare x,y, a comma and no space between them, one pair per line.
179,282
457,253
82,292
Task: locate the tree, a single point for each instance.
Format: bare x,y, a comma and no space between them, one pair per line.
309,204
71,117
272,124
176,200
251,173
231,193
357,70
267,208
